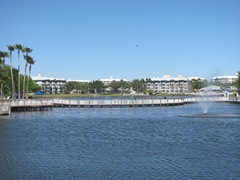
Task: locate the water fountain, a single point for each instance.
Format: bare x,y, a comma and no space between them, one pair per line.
95,93
206,101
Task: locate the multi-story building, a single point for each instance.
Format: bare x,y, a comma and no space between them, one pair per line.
167,84
108,81
224,79
50,85
78,80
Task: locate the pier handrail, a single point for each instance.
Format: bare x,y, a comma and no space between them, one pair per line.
7,104
137,102
31,102
5,107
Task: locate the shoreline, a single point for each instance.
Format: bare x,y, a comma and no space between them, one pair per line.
100,95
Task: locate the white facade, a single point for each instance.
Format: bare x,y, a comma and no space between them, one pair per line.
79,81
167,84
50,85
196,78
224,79
108,81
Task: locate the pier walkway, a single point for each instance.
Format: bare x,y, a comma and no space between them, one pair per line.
6,106
137,102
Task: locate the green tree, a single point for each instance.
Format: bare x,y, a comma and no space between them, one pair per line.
238,81
27,59
19,47
69,86
79,86
5,80
115,85
139,85
11,49
84,87
3,55
98,85
124,85
30,62
197,84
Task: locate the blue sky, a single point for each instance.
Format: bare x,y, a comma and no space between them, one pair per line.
91,39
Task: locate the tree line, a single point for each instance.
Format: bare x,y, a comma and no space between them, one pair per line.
12,82
138,85
198,83
114,87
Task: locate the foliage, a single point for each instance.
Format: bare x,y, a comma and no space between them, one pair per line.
5,77
198,84
237,84
139,85
96,85
79,87
17,80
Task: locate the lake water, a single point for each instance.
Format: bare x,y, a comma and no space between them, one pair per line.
121,143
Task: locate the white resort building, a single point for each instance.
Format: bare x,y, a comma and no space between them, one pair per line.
167,84
108,81
50,85
79,81
224,79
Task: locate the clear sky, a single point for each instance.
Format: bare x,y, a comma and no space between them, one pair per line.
127,39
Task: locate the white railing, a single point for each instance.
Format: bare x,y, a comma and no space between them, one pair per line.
132,102
31,103
5,107
6,104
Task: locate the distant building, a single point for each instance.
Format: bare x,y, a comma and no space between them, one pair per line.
50,85
79,81
211,90
224,79
167,84
196,78
108,81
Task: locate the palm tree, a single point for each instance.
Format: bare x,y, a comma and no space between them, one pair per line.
30,62
238,81
19,47
2,61
11,49
27,58
3,55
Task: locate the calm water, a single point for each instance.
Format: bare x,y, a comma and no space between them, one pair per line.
121,143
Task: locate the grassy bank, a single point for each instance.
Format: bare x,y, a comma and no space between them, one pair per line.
93,95
76,95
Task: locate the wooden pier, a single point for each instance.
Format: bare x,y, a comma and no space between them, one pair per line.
32,105
118,103
6,106
135,103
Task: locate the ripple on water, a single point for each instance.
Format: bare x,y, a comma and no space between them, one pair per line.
127,143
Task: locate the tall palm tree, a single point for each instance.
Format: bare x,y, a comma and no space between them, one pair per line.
30,62
2,62
11,49
3,55
238,81
27,59
19,47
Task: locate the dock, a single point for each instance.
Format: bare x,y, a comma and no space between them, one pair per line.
137,102
32,105
5,107
8,106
